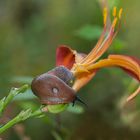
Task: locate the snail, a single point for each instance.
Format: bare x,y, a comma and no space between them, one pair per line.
54,87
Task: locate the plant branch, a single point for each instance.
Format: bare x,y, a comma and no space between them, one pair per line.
13,92
23,115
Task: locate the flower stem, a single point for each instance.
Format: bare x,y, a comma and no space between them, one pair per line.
13,92
23,115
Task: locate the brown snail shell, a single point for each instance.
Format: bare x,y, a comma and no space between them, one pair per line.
53,87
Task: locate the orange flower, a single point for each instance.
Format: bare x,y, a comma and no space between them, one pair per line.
84,67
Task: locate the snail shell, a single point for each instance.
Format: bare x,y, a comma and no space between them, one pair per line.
53,87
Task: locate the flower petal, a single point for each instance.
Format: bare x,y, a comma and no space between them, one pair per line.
101,47
104,41
128,71
82,79
129,64
134,94
65,56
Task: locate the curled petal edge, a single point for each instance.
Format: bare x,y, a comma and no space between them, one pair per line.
83,78
67,57
129,64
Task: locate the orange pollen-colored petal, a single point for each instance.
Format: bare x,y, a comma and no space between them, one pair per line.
109,62
83,79
104,41
93,51
105,15
114,22
120,13
133,95
114,13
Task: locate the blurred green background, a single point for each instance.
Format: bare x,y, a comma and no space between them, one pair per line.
31,30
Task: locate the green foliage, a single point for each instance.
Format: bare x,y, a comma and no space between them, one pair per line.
62,107
28,108
23,115
13,92
30,50
89,32
117,45
27,104
57,108
75,109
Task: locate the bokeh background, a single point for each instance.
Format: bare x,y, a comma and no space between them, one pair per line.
31,30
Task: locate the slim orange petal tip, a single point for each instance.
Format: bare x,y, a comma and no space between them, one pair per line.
114,11
120,13
133,95
105,15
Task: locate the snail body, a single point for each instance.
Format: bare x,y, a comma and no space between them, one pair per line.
54,87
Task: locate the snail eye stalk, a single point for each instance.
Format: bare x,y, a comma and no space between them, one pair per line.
80,100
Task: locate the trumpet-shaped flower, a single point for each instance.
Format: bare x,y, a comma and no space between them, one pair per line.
85,67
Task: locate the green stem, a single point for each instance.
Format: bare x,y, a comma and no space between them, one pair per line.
9,124
23,115
37,113
13,92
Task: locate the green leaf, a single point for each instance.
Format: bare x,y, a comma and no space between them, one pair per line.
2,101
117,45
28,104
13,92
23,115
75,109
89,32
57,108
